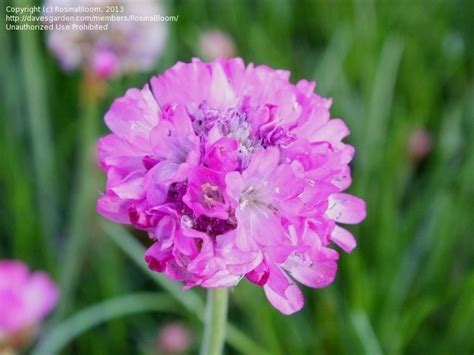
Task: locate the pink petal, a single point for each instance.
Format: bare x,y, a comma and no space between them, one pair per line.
182,123
317,273
263,163
286,184
234,184
343,238
133,116
13,274
343,179
156,258
25,299
318,116
259,275
163,261
345,208
41,295
333,132
115,151
257,226
306,87
222,95
105,64
236,261
164,141
174,140
200,199
130,188
112,207
221,278
223,155
282,293
291,301
157,181
182,84
165,231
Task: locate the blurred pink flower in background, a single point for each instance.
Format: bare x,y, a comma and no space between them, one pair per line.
214,44
126,46
234,172
174,338
25,299
419,144
105,64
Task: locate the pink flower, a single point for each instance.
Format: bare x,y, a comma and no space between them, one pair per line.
419,144
234,172
25,298
121,47
174,338
214,44
105,64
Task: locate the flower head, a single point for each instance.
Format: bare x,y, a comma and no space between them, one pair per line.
234,172
120,47
25,299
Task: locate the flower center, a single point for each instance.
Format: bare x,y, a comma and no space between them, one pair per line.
211,226
211,194
254,195
232,123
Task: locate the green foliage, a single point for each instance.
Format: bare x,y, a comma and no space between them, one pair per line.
391,67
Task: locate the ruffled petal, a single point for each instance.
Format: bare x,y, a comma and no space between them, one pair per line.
114,151
130,188
333,132
158,180
183,84
263,163
114,208
133,116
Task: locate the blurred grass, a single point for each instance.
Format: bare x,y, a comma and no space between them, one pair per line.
35,88
390,68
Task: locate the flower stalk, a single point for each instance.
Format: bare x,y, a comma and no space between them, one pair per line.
215,321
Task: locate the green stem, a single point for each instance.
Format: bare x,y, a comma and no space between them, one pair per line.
215,322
